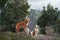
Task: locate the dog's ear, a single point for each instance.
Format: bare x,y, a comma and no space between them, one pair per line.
26,17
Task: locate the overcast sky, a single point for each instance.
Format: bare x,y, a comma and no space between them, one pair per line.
38,4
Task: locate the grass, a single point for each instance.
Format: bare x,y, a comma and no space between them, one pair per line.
18,36
15,36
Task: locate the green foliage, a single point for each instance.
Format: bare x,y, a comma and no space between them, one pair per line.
16,11
49,17
2,3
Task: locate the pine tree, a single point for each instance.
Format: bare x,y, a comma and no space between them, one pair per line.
49,17
15,12
2,3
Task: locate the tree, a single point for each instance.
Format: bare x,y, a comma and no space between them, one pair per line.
2,3
16,11
49,17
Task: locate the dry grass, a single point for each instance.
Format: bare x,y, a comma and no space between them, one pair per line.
14,36
20,36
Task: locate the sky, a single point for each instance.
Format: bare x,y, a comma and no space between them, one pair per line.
38,4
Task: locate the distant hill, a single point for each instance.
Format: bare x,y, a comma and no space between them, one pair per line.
34,14
59,15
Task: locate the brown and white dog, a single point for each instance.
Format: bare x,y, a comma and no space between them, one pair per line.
22,24
35,32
